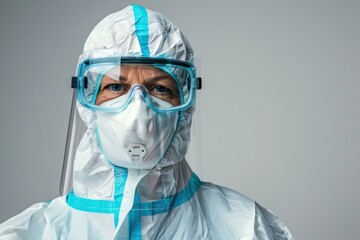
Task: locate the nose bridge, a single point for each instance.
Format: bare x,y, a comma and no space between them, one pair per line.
139,101
138,92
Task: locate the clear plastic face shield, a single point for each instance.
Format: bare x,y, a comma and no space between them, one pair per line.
106,81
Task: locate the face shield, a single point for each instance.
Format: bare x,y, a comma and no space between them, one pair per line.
107,82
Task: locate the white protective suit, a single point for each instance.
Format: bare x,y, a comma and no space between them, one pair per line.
165,202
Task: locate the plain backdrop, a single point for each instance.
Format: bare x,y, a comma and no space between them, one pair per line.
278,117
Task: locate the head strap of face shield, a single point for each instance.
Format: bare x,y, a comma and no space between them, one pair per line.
80,82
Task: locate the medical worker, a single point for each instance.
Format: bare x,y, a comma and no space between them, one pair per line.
136,88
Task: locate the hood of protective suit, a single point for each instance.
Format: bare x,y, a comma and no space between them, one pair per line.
135,31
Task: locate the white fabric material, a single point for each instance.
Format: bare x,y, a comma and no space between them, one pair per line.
118,31
213,212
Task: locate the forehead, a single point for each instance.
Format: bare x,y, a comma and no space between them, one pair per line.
135,70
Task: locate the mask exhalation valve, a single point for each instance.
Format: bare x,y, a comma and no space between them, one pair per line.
136,151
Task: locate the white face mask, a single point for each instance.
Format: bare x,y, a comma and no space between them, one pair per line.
138,137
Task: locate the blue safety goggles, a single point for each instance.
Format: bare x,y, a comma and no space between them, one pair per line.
115,79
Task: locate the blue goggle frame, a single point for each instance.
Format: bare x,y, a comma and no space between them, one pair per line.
80,81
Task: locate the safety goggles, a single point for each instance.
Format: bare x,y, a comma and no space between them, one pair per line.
116,79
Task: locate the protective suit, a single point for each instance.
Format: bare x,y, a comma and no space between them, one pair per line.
130,178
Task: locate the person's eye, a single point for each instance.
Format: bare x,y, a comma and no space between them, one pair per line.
162,89
115,87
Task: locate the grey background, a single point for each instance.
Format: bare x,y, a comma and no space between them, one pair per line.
278,119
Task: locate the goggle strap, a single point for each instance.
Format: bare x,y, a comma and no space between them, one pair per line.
74,82
198,83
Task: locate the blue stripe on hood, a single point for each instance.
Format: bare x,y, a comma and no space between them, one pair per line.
142,28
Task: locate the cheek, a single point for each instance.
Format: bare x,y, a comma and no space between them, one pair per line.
175,102
99,100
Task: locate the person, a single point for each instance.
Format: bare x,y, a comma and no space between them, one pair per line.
136,87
